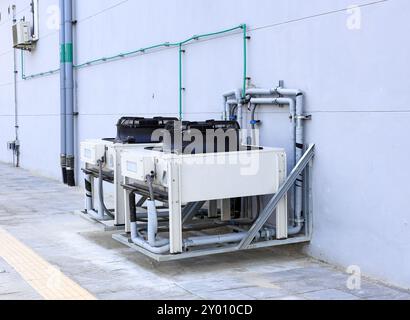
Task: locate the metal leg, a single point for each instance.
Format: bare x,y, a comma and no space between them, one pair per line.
119,194
213,209
308,200
89,186
226,210
282,209
175,210
127,213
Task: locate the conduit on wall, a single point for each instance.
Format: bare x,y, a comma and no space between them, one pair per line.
178,45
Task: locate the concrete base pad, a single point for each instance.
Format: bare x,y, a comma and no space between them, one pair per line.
107,225
209,251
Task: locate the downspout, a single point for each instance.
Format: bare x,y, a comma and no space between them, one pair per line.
63,151
69,91
16,111
300,146
36,27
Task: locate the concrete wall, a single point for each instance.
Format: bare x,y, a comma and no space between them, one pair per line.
356,82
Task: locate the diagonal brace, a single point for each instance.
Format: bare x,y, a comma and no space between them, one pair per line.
283,190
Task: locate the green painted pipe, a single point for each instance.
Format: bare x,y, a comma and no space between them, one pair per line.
66,55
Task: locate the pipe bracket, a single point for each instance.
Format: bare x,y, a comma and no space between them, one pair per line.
306,117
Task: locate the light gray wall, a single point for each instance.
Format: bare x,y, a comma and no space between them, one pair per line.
356,82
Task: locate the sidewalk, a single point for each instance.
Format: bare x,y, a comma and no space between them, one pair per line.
40,213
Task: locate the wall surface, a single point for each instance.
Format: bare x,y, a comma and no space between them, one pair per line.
356,79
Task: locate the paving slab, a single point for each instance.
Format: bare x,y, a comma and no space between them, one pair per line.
41,214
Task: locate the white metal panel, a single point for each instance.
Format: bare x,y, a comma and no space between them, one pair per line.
175,211
91,151
233,175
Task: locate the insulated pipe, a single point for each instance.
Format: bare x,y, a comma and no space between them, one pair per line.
153,226
102,209
194,241
63,153
136,239
153,218
217,239
229,107
225,98
69,91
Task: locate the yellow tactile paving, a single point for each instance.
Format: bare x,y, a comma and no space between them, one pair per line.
47,280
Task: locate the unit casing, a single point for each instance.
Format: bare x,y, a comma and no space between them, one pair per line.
22,38
196,178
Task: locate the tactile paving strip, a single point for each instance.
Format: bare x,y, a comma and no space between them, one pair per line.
46,279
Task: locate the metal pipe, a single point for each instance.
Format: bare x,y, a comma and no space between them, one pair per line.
16,151
292,108
153,226
136,239
36,28
63,152
153,218
300,148
239,100
69,91
226,107
297,115
273,91
217,239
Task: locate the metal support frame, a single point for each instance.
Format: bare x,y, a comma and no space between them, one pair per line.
191,210
304,166
273,204
119,196
175,208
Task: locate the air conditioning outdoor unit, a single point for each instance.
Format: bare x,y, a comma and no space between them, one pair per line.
22,38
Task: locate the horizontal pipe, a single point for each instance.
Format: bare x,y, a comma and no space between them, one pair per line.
232,102
135,52
273,91
217,239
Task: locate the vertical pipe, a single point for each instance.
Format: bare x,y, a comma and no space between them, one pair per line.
63,152
152,223
240,113
300,145
69,91
245,59
180,84
36,27
16,111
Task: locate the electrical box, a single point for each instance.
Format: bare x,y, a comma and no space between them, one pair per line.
22,38
11,145
139,167
92,151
